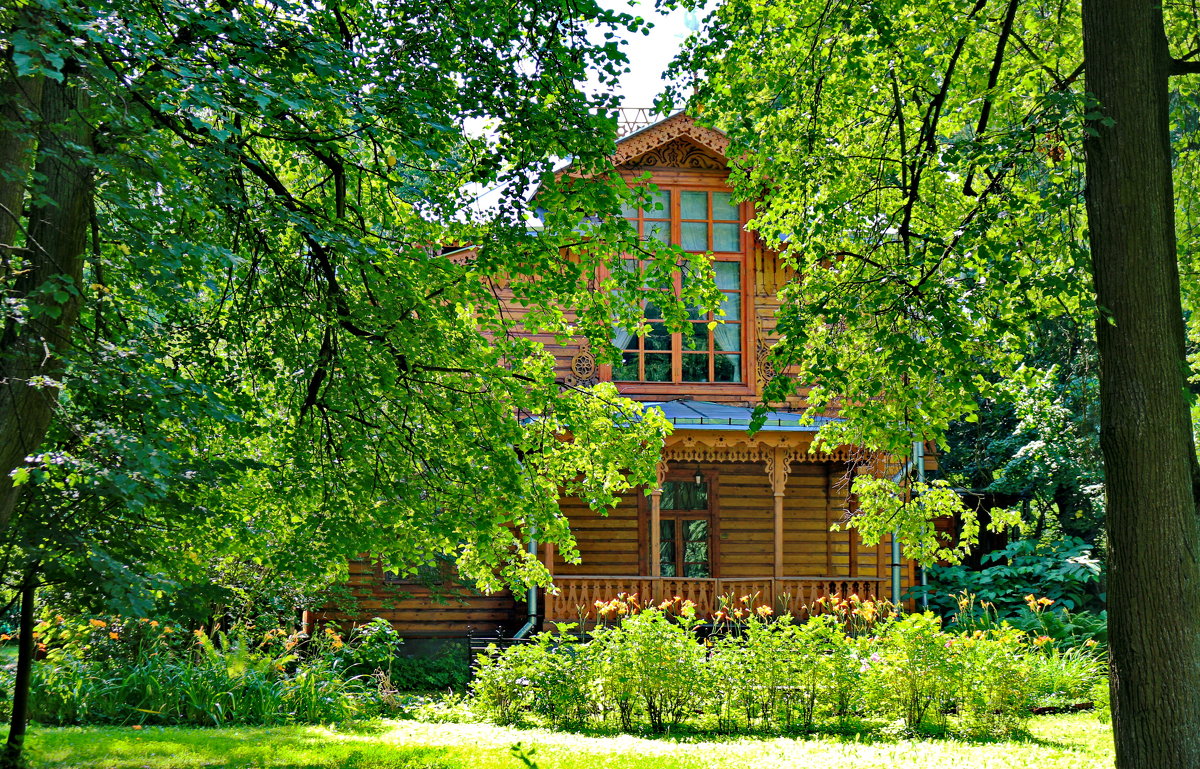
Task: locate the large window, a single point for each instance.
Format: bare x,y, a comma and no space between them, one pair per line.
683,536
699,221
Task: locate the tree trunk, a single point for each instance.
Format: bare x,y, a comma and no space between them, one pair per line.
49,280
14,747
1145,428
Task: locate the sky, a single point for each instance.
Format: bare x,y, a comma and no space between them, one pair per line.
649,54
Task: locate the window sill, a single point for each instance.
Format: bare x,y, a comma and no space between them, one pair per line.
698,390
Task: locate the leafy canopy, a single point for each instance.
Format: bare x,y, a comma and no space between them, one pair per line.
298,340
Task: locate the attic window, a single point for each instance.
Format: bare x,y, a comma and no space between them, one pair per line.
699,220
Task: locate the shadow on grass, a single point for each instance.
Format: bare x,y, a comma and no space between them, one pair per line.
289,747
850,731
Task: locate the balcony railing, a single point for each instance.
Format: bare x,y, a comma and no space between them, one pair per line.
631,119
577,596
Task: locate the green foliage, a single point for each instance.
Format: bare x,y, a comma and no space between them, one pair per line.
1062,678
446,670
912,671
649,670
206,686
1064,571
663,666
278,361
549,677
142,671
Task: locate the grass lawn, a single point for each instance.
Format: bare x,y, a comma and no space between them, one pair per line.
1075,741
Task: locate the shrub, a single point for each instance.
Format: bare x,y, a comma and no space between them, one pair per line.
910,673
994,680
447,669
663,664
647,668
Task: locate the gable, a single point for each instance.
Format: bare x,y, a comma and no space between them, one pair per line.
678,138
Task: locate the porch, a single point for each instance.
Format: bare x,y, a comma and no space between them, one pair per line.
576,598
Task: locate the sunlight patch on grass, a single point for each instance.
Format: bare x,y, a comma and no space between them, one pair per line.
1056,742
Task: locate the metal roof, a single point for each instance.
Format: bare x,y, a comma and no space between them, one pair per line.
705,415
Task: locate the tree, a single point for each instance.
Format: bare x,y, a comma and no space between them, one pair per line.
232,302
925,166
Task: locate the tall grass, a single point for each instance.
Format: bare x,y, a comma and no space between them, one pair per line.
115,672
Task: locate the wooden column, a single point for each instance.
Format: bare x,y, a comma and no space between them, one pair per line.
548,557
655,518
778,462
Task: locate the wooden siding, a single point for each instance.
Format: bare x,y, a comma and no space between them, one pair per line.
419,611
743,528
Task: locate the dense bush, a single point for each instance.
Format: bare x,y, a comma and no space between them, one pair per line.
650,670
1064,571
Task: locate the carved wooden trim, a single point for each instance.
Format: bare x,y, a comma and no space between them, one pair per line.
779,466
740,447
678,153
583,369
766,367
660,473
679,126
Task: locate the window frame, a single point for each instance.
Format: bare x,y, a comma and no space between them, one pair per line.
678,182
685,474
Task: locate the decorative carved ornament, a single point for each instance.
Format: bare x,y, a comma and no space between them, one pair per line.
779,467
739,447
583,369
584,372
677,127
678,154
766,366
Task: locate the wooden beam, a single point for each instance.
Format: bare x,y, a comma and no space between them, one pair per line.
655,521
778,465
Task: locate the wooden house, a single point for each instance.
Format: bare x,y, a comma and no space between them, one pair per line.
733,514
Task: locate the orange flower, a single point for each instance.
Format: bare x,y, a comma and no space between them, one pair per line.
5,637
113,636
153,623
97,623
136,727
1044,601
765,611
168,629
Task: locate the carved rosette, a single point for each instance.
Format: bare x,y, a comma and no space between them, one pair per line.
584,371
